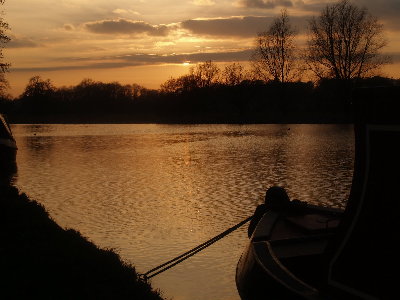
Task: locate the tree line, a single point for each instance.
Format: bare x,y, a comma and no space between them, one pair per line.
216,99
343,51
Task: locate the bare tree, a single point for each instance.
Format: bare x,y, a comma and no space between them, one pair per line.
184,83
345,42
233,74
4,67
274,56
206,74
202,75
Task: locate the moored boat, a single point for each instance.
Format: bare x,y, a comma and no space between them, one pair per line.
320,253
285,251
8,148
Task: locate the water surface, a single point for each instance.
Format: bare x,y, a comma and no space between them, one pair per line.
152,192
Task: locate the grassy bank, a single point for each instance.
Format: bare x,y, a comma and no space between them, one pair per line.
41,260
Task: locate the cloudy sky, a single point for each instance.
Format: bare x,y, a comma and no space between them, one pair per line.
148,41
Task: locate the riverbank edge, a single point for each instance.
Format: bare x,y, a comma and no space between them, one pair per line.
40,259
273,117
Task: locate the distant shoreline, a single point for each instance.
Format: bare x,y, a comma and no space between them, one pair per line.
310,118
330,102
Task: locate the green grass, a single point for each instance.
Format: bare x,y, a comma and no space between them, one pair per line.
41,260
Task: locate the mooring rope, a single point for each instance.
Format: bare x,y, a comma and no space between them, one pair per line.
173,262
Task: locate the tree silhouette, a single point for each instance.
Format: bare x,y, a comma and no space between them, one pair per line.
206,74
38,88
202,75
38,95
345,42
233,74
184,83
274,55
4,67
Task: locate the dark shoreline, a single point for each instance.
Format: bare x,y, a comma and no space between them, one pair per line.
251,102
41,260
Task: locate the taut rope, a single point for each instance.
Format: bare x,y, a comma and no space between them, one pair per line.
173,262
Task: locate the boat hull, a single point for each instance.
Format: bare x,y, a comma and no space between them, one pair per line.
278,254
256,279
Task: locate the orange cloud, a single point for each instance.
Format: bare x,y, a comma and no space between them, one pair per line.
203,2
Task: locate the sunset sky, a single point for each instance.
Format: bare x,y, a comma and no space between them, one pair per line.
148,41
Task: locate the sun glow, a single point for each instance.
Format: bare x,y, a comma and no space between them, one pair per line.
145,43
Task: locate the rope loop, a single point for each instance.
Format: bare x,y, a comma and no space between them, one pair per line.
143,277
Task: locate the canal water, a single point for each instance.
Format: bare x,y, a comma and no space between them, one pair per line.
151,192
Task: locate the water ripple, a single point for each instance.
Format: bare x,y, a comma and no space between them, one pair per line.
154,191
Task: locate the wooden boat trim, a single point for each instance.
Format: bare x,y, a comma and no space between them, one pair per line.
265,226
267,259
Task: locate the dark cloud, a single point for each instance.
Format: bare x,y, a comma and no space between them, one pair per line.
192,57
267,4
313,7
123,26
146,59
21,43
143,59
237,26
394,56
387,11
